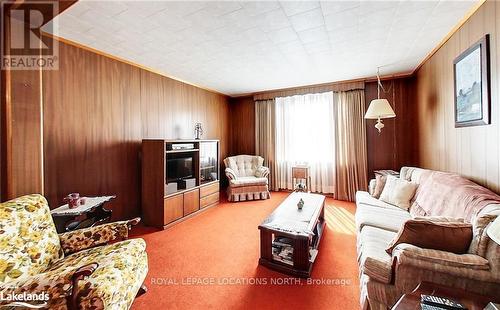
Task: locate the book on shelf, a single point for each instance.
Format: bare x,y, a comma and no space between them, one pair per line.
282,250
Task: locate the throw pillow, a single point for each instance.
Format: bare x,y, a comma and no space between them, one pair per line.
379,185
452,237
398,192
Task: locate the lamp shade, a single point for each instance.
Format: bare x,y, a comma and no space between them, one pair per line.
494,230
379,108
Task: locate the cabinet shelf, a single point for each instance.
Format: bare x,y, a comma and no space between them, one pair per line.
207,167
182,151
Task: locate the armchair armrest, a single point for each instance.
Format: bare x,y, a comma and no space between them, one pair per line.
80,274
61,288
231,175
85,238
262,172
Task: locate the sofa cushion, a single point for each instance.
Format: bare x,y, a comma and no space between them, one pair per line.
372,258
385,218
452,237
448,194
379,185
364,198
398,192
248,181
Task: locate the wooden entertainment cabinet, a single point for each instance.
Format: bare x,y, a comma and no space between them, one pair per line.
178,163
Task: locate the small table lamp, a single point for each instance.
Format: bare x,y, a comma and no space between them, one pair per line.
494,230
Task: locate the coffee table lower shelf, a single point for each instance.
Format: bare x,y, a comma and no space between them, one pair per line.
302,266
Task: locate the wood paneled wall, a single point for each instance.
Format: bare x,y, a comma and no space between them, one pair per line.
395,146
471,151
242,125
96,111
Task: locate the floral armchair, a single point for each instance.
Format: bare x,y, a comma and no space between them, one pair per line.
247,178
78,269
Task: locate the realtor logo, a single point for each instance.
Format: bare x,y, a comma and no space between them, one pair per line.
23,45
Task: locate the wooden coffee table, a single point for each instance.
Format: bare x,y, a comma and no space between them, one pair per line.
304,228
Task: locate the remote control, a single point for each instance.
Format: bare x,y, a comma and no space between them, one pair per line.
441,302
429,307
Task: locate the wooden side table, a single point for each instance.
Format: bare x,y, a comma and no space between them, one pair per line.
92,213
472,301
301,173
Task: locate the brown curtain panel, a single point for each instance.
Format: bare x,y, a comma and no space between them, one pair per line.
350,144
265,135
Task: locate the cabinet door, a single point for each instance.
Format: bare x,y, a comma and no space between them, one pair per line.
191,201
209,161
173,208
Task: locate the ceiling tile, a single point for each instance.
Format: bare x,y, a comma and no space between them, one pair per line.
331,7
283,35
314,35
254,8
272,20
347,18
307,20
296,7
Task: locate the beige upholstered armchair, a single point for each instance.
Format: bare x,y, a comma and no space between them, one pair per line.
247,178
75,270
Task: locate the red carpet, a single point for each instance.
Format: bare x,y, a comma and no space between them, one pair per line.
211,262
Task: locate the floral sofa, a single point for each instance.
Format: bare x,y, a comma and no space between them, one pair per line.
77,269
384,278
247,178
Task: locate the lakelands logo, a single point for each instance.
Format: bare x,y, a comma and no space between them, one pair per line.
23,46
26,300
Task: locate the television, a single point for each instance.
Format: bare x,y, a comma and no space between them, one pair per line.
179,168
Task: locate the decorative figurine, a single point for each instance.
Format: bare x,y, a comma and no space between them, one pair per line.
300,204
198,131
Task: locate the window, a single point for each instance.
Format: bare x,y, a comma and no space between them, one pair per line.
305,135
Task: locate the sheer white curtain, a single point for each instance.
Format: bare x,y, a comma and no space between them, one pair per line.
305,134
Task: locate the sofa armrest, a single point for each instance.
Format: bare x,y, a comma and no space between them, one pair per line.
262,172
414,264
230,174
410,253
85,238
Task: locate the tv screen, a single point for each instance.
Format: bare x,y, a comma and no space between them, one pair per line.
179,168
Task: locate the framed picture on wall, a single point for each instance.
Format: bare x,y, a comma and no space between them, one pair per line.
472,85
